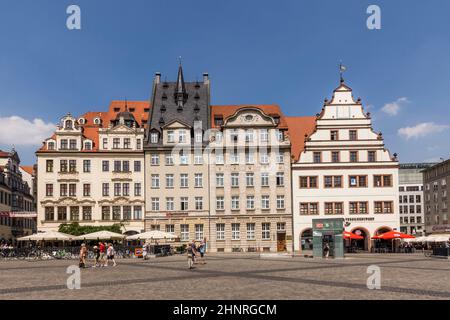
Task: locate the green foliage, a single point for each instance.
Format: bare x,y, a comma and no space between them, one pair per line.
76,230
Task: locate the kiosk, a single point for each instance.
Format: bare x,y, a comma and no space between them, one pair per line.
328,231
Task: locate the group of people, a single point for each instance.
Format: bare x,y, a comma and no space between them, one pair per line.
5,245
194,251
103,254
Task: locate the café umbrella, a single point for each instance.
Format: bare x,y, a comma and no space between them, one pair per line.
47,236
101,235
390,235
152,235
352,236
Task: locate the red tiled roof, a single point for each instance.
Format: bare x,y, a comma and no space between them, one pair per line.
28,169
298,128
229,110
90,130
4,154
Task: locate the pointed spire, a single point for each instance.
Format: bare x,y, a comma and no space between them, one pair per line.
181,89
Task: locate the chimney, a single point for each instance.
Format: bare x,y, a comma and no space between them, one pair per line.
205,77
157,77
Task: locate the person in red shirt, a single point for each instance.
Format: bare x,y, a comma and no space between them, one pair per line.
102,249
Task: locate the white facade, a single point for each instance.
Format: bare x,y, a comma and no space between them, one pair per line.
345,172
89,182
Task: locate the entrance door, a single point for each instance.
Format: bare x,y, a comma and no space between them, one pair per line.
281,242
328,239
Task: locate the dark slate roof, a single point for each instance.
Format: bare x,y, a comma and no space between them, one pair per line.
165,109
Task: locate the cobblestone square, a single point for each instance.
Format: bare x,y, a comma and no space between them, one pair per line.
232,276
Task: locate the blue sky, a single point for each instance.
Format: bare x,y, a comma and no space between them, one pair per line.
256,51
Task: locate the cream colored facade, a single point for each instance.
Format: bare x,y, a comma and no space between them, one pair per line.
250,197
5,206
345,171
177,190
93,180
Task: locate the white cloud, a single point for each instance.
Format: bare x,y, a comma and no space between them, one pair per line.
421,130
392,108
17,131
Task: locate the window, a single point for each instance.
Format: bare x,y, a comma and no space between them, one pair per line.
62,213
184,232
72,190
250,202
86,165
63,190
335,156
219,157
234,155
220,231
72,144
334,135
105,143
184,158
49,166
116,213
169,180
116,143
170,136
155,204
371,156
198,203
353,156
280,157
154,137
198,180
155,181
251,231
126,189
264,135
265,202
308,182
117,189
264,157
169,159
199,232
72,166
137,189
218,121
137,166
332,181
137,212
154,160
63,165
184,203
138,144
264,179
250,156
280,134
357,181
265,231
51,145
387,207
235,203
126,212
280,179
75,213
317,157
63,144
235,231
87,213
383,181
309,208
184,181
218,136
48,190
182,136
170,204
353,135
126,166
126,143
49,213
105,165
235,180
219,179
198,158
105,189
280,201
358,207
220,203
250,179
88,145
117,166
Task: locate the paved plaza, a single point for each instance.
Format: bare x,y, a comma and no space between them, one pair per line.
233,276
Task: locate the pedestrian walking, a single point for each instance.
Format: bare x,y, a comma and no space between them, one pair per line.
202,250
102,250
110,255
326,250
97,257
83,253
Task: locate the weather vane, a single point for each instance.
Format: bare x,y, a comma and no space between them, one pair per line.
342,69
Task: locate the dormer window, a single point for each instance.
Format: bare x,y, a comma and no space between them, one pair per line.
182,136
68,125
97,121
63,144
88,145
154,137
276,119
218,120
82,121
116,109
51,145
170,136
280,135
73,144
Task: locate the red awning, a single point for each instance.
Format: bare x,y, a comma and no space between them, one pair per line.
393,235
352,236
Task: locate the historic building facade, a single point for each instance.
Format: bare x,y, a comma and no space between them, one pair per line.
91,171
344,171
436,180
411,198
249,176
176,175
17,211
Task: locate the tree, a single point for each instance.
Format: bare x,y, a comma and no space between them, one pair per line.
76,230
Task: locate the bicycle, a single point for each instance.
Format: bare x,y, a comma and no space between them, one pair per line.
428,253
